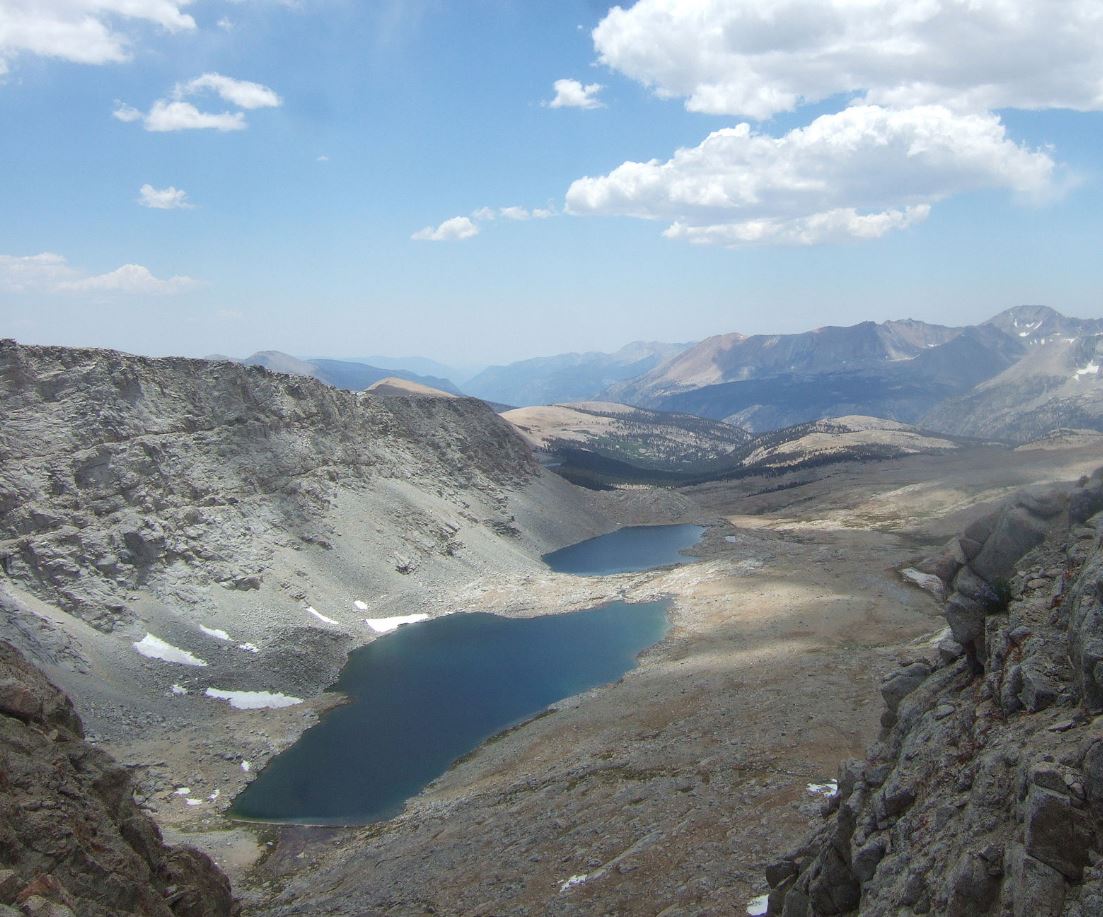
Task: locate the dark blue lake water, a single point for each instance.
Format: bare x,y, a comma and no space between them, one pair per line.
433,691
627,550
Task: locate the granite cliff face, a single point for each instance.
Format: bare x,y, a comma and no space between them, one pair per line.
72,839
984,793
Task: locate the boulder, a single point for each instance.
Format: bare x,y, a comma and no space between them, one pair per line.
973,587
1037,890
901,683
1017,532
1056,834
965,617
1084,503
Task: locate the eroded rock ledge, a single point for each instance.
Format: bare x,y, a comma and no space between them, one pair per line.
72,839
984,792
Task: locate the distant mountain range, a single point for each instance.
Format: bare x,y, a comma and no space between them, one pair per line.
569,376
341,373
1015,377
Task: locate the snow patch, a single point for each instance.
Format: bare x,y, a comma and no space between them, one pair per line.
249,647
926,581
826,790
756,907
319,615
215,795
194,802
572,882
215,632
1092,369
386,625
155,648
246,766
183,790
253,700
178,690
360,606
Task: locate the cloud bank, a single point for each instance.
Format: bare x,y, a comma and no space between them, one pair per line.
746,57
82,31
857,174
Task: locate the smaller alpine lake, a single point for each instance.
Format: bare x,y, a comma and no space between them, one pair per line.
430,692
627,550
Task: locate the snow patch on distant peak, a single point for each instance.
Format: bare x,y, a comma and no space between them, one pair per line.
360,606
155,648
1092,369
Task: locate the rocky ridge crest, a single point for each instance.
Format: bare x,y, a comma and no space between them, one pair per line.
120,472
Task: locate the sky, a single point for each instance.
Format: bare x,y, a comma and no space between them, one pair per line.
481,181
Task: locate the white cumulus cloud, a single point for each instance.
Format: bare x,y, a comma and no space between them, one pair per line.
130,279
21,273
522,213
167,116
50,272
572,94
128,114
451,230
169,198
859,173
755,58
174,113
82,31
242,93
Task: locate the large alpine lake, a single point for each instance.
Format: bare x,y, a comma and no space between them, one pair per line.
627,550
430,692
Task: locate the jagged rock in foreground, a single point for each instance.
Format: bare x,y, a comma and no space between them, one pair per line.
984,793
72,839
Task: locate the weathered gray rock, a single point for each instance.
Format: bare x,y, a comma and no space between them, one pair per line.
1016,532
966,619
901,683
1085,502
1037,890
1056,833
1085,633
72,839
1039,690
992,795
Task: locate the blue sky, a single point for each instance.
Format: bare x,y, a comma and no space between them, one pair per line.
897,177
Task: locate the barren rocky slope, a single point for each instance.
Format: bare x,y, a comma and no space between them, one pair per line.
984,792
233,514
73,843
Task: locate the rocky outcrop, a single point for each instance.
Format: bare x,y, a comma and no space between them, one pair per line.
117,471
72,839
984,792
